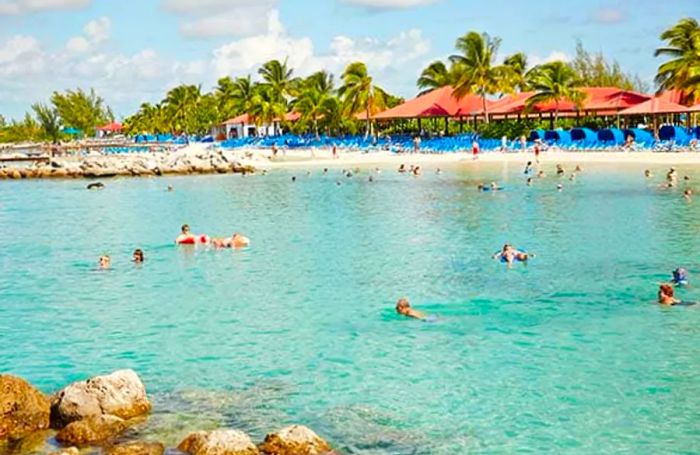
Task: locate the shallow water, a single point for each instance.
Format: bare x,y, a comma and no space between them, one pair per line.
565,354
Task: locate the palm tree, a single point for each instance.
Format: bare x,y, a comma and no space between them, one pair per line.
359,94
278,76
435,76
516,68
682,71
317,99
265,105
555,81
475,69
49,120
181,103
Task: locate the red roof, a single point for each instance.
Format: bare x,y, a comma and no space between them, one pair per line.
695,108
672,96
598,99
655,106
437,103
111,127
243,119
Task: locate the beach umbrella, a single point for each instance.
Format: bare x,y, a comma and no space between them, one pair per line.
112,127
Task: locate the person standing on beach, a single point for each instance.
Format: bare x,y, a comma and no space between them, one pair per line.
537,149
416,144
274,150
523,143
475,150
335,152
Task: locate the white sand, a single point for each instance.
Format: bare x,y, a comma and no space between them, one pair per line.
323,158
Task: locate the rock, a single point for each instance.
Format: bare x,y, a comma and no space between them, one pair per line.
120,394
3,174
14,174
218,442
23,409
91,430
66,451
59,173
294,440
137,448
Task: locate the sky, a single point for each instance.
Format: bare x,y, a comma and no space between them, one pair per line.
133,51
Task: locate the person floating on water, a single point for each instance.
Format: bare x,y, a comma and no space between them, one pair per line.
680,277
236,241
403,307
187,238
509,255
138,256
104,262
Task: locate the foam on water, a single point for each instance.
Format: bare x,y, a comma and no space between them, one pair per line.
566,353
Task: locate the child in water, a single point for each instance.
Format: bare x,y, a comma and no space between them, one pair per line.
403,307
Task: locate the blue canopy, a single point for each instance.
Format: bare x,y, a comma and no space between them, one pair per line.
639,135
558,136
613,135
583,134
673,133
72,131
536,134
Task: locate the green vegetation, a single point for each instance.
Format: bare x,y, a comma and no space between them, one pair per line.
324,106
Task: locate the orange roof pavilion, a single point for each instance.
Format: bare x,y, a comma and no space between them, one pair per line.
440,102
656,106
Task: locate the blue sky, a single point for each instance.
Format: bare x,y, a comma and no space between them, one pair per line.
132,51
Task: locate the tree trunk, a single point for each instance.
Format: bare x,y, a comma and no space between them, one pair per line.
368,121
316,129
483,104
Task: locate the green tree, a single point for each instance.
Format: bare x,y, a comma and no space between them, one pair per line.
278,76
180,105
435,76
682,70
266,106
477,72
317,99
554,82
49,120
82,110
360,94
594,70
514,74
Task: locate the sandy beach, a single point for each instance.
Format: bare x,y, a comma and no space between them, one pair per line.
316,158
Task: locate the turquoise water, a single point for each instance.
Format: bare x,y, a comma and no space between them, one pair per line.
565,354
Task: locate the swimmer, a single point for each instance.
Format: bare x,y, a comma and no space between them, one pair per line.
529,181
509,254
560,170
235,241
404,309
495,187
572,177
680,276
687,194
686,178
170,188
264,172
402,168
578,168
377,170
528,168
648,174
371,179
438,171
560,187
294,178
308,173
665,295
672,175
104,262
541,175
348,174
325,170
95,186
186,236
417,171
138,256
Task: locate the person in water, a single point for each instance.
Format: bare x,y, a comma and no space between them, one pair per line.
403,307
138,256
648,174
672,175
688,194
528,168
680,276
105,262
666,295
402,168
417,171
560,170
235,241
509,254
188,238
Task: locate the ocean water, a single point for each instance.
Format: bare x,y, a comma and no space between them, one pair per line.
566,354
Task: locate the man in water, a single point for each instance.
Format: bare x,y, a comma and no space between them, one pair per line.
680,276
528,168
688,194
509,254
648,174
138,256
105,262
666,295
672,175
404,309
186,236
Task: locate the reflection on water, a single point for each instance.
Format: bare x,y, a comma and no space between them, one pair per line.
566,353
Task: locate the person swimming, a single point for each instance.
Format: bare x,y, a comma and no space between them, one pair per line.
528,168
138,256
648,174
417,171
680,276
403,307
529,181
688,194
509,254
672,175
560,170
236,241
104,262
402,168
560,187
666,295
187,238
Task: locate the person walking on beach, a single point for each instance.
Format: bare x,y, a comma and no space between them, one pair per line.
537,149
475,150
274,151
335,152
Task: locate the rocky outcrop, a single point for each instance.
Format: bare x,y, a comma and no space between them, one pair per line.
23,409
120,394
218,442
137,448
294,440
91,430
66,451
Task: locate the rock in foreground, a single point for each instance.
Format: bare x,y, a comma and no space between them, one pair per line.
137,448
120,394
91,430
218,442
294,440
23,409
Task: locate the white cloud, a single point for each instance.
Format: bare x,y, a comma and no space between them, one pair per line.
95,32
213,18
389,4
608,16
554,56
21,56
14,7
